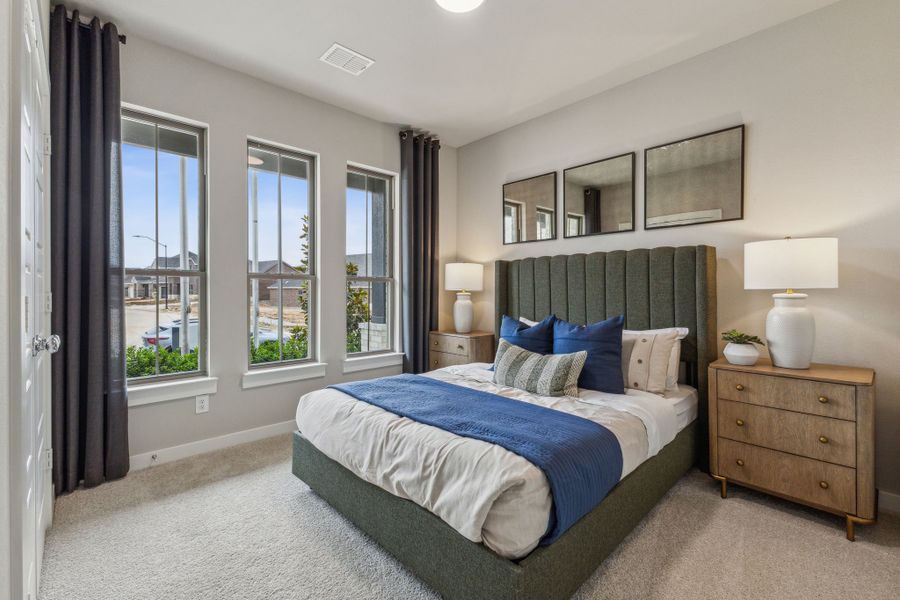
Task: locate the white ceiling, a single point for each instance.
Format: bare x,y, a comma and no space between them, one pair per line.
462,76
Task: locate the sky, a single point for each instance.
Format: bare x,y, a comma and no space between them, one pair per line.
139,217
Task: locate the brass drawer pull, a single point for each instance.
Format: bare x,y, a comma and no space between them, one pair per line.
434,362
460,347
435,342
823,485
739,462
739,387
740,422
823,399
823,439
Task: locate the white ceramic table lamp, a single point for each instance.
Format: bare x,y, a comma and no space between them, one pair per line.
790,264
463,278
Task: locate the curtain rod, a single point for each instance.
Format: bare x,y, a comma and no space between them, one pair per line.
122,38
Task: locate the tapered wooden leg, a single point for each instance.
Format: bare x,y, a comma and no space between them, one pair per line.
852,521
724,483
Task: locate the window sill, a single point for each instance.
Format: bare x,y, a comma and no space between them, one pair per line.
261,377
375,361
165,391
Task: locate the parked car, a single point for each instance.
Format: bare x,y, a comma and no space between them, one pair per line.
265,335
171,332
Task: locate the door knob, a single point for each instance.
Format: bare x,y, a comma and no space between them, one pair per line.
50,344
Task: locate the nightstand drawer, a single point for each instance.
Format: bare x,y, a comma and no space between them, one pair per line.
439,360
449,344
801,395
821,438
825,485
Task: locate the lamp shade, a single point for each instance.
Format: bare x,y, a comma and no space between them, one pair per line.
803,263
464,276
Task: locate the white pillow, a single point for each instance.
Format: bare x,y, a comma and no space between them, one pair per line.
528,322
650,358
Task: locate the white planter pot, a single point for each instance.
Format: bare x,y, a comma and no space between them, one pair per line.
741,354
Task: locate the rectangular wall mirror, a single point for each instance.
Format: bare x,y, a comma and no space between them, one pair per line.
529,209
599,197
697,180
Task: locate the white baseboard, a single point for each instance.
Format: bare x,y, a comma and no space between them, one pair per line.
889,503
164,455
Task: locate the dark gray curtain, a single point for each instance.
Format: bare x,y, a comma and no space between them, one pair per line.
90,409
419,176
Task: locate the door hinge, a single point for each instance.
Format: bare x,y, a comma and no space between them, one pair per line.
48,147
48,458
49,307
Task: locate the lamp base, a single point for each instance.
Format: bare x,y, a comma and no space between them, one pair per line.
463,312
790,331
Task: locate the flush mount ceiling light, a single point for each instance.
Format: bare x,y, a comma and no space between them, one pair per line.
459,6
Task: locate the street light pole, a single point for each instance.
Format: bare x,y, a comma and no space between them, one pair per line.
166,254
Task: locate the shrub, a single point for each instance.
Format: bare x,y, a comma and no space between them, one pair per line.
295,347
140,361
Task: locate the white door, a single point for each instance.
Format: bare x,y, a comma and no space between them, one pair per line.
37,343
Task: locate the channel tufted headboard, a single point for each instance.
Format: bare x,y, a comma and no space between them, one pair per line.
655,288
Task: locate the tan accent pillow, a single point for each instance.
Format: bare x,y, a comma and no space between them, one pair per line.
647,358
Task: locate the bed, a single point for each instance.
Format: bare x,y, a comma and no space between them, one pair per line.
662,287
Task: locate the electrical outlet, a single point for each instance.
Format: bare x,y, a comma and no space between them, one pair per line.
203,403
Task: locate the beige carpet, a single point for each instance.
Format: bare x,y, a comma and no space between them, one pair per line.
238,524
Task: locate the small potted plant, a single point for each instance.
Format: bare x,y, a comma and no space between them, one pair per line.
740,349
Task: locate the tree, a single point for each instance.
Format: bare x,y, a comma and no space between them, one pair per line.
357,298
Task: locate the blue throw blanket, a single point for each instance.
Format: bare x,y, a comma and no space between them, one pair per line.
581,459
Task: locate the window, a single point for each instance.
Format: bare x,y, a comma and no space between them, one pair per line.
544,224
281,273
164,221
574,224
370,283
512,221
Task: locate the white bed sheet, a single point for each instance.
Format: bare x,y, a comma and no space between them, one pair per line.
485,492
685,401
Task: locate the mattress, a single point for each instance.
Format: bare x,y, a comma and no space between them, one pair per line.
685,401
483,491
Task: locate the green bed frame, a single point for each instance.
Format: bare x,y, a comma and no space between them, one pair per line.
661,287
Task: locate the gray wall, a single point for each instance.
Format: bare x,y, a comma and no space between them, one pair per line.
236,106
819,95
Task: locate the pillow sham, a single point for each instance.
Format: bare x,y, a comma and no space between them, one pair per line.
543,374
603,343
535,338
650,358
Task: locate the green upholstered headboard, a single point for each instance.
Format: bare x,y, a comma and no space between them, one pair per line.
659,287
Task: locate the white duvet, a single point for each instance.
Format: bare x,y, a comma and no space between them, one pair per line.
485,492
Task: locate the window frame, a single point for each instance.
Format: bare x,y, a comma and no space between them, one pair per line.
551,220
579,218
202,272
312,159
391,279
518,219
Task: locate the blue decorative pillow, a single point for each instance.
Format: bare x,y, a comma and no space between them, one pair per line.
603,343
536,338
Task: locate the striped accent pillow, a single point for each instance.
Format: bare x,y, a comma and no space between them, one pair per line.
543,374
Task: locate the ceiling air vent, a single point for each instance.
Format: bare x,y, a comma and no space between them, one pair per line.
346,59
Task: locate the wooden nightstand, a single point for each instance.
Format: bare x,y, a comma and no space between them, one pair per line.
807,435
450,348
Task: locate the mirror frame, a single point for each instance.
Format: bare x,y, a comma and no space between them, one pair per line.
633,156
742,129
555,209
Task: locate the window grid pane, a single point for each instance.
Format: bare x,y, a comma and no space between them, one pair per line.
369,263
280,193
164,262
